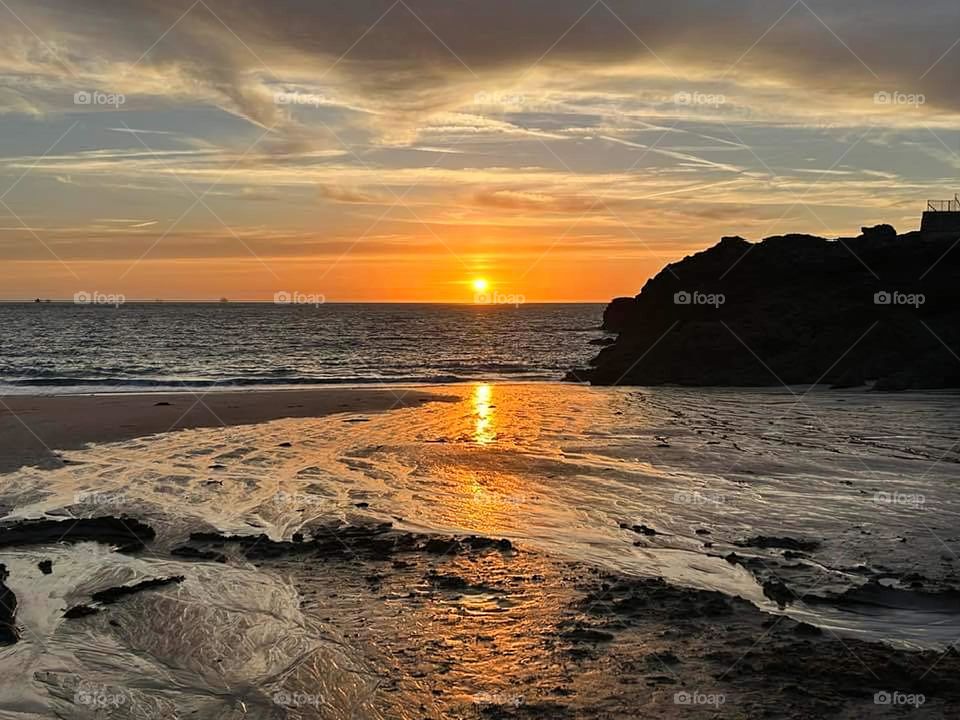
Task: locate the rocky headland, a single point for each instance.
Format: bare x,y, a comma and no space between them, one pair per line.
880,309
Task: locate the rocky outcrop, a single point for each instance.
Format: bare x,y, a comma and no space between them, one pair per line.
880,308
8,611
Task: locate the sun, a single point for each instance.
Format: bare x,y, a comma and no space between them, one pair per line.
480,285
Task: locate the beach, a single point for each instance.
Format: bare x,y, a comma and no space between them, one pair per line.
483,550
34,428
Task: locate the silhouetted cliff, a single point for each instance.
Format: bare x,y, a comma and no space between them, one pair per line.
794,309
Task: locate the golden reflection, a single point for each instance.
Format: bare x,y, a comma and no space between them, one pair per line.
484,431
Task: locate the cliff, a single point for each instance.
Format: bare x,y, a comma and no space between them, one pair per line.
881,309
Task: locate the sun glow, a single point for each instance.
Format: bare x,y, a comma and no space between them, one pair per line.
480,285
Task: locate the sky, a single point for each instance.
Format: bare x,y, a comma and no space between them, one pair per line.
398,150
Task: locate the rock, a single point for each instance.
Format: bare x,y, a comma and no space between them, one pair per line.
46,566
807,629
603,342
80,611
583,634
126,533
115,594
617,314
777,591
879,232
790,310
782,543
8,611
192,553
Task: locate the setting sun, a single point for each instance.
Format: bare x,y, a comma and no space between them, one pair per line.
480,285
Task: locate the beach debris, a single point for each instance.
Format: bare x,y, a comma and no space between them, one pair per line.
46,566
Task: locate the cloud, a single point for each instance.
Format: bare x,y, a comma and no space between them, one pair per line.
539,202
399,63
350,195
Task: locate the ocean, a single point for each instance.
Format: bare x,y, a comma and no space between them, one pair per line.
63,348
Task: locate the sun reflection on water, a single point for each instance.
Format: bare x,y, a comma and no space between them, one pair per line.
484,431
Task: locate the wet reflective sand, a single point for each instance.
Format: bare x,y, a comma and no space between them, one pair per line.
568,474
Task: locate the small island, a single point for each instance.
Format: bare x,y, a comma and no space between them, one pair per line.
879,310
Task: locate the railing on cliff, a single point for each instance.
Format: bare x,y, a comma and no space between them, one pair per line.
944,205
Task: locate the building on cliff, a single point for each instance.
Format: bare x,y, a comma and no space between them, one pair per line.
942,216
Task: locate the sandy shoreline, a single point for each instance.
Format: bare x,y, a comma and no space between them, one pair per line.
34,428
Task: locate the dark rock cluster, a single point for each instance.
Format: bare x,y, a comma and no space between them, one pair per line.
879,309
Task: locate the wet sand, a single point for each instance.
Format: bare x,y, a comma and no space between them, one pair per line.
472,559
33,429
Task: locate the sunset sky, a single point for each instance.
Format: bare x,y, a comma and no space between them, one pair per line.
396,151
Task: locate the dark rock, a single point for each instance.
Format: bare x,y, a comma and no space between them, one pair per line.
192,553
8,611
879,232
603,342
442,546
617,314
115,594
793,308
80,611
782,543
125,533
807,629
777,591
46,566
588,635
